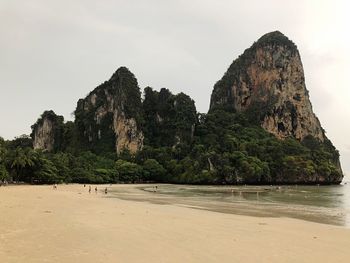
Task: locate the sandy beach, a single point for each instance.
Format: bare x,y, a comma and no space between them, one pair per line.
39,224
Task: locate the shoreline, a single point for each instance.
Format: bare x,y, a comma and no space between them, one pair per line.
39,224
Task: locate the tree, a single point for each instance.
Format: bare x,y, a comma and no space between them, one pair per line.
23,141
62,163
153,170
21,159
128,171
4,175
46,172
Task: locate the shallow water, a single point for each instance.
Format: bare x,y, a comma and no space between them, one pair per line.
322,204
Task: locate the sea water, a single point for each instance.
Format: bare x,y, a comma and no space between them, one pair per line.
322,204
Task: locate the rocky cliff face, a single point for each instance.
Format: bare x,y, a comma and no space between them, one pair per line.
268,81
267,85
47,132
109,117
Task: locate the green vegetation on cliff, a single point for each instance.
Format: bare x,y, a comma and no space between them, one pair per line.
225,149
168,119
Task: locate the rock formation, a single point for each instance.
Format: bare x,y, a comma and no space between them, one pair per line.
113,118
268,81
263,90
267,85
47,132
110,115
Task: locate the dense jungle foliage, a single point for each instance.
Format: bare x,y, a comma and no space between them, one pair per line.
224,149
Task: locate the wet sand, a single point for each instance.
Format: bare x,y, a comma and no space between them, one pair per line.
39,224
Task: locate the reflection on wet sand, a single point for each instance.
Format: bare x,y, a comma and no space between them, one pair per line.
322,204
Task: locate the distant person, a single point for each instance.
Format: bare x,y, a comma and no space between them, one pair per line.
106,190
84,185
96,190
89,189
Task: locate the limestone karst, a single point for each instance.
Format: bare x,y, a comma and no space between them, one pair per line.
260,127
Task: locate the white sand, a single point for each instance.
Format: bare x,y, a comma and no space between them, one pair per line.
39,224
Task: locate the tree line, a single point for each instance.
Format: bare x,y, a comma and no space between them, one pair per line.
225,148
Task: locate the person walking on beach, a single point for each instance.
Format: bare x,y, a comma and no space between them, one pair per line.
96,190
89,189
106,190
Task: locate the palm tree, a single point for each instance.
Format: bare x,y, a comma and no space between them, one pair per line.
22,159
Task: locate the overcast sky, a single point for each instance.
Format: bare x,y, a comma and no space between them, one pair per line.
54,52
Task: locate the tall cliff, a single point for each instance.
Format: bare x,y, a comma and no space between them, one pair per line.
268,81
266,84
47,132
109,118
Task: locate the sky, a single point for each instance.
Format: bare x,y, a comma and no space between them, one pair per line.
54,52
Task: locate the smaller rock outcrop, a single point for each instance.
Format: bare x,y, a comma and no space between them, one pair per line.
47,132
109,118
